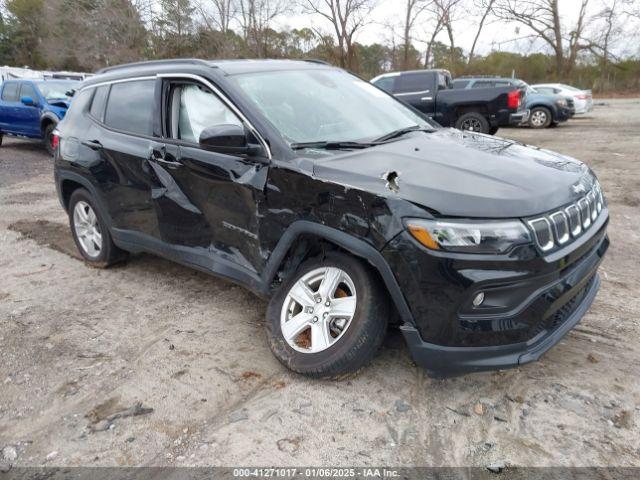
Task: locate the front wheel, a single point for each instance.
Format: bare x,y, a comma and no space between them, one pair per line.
540,117
329,318
473,122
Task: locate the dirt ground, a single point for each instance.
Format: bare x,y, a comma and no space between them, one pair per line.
151,363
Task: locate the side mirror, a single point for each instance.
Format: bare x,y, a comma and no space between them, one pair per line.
229,139
28,101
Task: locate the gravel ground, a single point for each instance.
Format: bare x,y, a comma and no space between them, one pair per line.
151,363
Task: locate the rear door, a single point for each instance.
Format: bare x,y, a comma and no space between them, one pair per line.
121,134
416,89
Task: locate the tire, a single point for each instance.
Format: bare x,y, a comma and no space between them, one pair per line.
103,253
345,348
493,130
540,117
473,122
1,139
48,138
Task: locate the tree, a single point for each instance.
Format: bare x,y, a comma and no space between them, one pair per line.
347,18
486,7
256,17
27,28
413,10
543,18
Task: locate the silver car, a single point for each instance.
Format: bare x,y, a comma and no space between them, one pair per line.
582,99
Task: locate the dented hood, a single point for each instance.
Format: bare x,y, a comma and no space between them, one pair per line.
462,174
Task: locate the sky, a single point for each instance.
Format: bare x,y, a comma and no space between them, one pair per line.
495,35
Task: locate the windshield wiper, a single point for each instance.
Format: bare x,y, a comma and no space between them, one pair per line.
403,131
327,145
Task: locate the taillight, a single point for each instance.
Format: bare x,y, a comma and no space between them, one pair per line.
513,99
55,141
581,96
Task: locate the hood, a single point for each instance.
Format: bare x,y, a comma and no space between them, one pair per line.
462,174
60,102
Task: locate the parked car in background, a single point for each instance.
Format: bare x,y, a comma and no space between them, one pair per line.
431,92
32,108
544,110
582,99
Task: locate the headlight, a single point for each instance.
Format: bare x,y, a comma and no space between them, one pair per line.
561,102
470,236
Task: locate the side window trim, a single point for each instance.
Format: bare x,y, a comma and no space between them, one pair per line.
167,113
216,91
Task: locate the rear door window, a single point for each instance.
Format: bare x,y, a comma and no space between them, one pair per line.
130,107
411,83
10,92
459,84
386,84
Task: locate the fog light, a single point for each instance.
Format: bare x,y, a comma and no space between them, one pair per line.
478,299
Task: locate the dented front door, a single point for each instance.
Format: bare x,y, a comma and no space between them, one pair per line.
210,201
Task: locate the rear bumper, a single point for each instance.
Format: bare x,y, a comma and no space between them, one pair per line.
519,118
442,361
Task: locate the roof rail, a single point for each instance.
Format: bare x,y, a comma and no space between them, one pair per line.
194,61
315,60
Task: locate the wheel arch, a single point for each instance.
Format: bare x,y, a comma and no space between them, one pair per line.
291,251
47,118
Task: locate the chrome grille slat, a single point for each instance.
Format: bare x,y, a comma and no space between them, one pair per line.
558,228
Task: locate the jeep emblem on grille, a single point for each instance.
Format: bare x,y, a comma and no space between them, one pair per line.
578,188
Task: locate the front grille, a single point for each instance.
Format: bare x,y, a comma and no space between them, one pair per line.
558,228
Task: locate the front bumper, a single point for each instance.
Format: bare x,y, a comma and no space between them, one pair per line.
530,303
442,362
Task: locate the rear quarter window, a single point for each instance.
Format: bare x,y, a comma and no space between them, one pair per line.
99,102
10,92
130,107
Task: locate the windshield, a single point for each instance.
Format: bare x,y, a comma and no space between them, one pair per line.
56,90
326,105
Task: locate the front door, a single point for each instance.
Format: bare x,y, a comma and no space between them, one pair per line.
28,116
210,199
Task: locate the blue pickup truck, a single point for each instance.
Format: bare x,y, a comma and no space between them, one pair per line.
32,108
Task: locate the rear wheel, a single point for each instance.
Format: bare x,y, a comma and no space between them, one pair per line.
329,319
90,231
48,138
473,122
540,117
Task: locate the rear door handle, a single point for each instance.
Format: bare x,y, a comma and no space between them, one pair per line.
167,163
92,144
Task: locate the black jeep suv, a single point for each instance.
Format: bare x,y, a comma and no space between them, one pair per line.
343,205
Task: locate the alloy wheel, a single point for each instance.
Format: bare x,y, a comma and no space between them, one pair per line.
87,229
318,310
538,118
472,125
